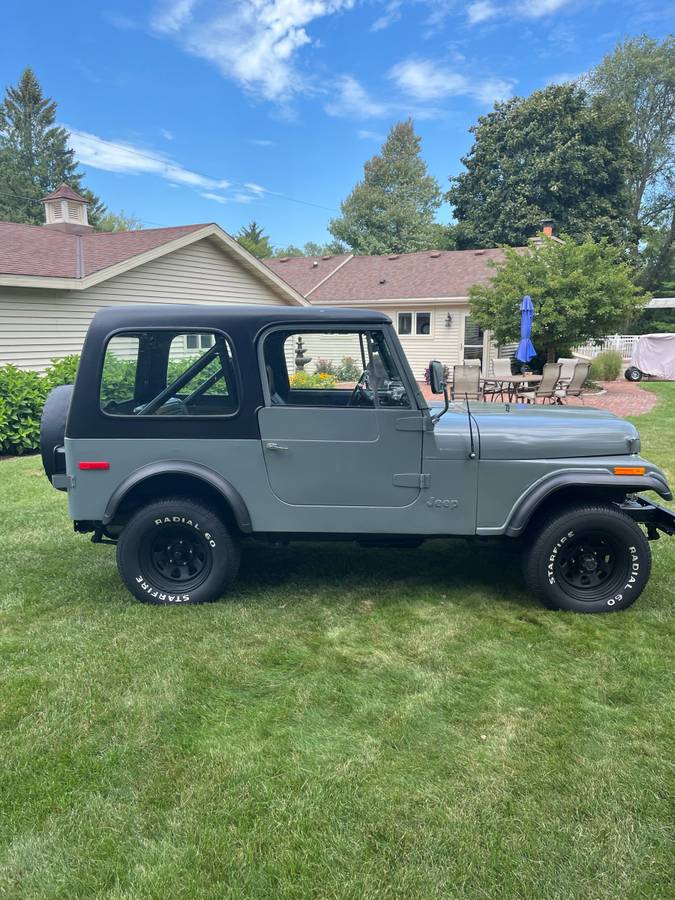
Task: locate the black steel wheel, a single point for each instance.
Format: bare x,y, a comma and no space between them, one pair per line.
588,559
176,550
633,374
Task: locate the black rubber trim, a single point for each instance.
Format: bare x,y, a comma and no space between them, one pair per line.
523,512
178,467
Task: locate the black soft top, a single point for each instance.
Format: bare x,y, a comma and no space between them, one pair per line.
241,322
232,318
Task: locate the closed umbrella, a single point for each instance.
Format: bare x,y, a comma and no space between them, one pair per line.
526,350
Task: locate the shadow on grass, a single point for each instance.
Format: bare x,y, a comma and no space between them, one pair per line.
457,569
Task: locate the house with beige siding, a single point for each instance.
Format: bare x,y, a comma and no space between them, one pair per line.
54,277
426,295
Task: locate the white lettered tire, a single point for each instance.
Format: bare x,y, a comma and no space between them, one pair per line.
177,551
588,559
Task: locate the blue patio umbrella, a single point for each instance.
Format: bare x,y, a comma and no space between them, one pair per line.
526,350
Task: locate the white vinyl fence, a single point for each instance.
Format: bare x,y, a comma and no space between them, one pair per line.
623,343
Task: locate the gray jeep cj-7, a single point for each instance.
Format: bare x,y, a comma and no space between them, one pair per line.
190,428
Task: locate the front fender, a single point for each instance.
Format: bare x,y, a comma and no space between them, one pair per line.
528,503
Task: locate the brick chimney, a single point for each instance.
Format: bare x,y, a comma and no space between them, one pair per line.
547,227
66,210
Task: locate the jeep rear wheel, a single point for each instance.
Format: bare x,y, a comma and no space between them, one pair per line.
177,551
589,559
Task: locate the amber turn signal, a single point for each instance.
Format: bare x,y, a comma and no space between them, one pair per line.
629,470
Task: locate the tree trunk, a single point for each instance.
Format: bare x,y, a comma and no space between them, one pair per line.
550,355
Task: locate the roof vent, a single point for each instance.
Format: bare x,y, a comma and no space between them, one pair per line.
327,257
435,254
383,280
315,263
393,256
479,252
284,259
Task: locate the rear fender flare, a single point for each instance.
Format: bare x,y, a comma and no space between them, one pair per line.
177,467
528,504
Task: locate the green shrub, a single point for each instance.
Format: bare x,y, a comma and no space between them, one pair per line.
607,366
325,367
348,370
62,371
316,380
22,396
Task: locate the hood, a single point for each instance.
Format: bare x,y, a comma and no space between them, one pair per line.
517,431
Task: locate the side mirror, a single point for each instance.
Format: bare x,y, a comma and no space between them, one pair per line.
436,377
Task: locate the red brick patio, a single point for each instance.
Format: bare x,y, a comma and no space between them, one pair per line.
624,398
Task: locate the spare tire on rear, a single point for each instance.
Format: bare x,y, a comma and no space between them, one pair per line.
53,425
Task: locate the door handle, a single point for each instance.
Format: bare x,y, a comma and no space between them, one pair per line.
273,446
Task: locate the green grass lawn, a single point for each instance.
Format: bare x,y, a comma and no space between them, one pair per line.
349,723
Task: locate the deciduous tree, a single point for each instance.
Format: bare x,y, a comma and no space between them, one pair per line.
580,291
558,153
639,78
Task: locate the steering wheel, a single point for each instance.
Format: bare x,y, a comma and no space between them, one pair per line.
359,392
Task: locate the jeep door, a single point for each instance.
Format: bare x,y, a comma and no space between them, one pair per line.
340,426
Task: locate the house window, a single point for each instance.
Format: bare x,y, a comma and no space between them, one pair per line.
418,323
423,323
198,341
405,323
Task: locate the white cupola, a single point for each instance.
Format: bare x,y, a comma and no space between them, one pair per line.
66,210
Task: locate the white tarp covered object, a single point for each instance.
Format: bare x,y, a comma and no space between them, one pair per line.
654,354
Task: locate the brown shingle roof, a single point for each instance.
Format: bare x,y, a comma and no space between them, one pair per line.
47,252
304,272
64,192
445,273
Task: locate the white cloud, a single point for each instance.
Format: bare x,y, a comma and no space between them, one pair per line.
261,142
354,101
484,10
119,156
427,80
166,134
244,198
210,196
391,14
564,77
365,135
255,188
481,11
535,9
252,42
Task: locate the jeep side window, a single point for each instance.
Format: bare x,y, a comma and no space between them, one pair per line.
332,368
165,373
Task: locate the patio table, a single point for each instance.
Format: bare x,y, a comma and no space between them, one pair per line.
510,383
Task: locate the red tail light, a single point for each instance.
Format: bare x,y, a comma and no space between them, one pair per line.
95,465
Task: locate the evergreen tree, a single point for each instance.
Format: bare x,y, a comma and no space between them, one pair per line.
34,155
392,210
253,238
558,153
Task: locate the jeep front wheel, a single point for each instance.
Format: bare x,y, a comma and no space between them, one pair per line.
177,551
589,559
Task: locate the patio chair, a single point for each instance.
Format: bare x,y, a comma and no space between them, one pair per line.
466,382
546,388
497,380
567,368
575,387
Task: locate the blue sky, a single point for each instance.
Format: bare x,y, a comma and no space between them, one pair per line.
227,110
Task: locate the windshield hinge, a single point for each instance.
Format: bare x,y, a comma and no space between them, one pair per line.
412,479
415,423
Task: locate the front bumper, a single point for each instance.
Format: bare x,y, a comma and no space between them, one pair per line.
654,516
